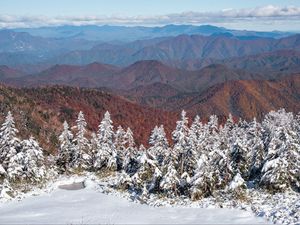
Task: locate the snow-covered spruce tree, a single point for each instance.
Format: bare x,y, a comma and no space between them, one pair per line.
130,164
229,123
214,152
228,130
33,168
297,129
281,168
94,146
170,181
66,149
148,173
237,187
159,144
196,135
203,182
219,157
240,160
107,155
181,144
2,172
120,146
15,168
256,148
6,191
28,163
194,150
124,181
213,124
9,143
79,157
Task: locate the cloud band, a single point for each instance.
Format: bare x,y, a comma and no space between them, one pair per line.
264,14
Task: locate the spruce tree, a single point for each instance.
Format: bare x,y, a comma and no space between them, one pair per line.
15,167
130,164
66,149
159,144
180,138
80,158
120,146
256,146
281,168
33,167
240,153
148,172
196,135
170,181
9,143
94,146
107,155
202,183
219,158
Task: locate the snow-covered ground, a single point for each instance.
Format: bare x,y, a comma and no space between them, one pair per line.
90,205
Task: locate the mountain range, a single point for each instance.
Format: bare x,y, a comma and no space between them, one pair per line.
108,33
184,51
41,111
144,76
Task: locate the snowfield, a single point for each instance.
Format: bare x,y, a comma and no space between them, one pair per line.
90,205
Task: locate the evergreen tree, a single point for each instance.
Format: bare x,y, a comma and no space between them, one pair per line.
196,135
195,148
180,138
15,168
281,169
2,172
219,159
240,153
120,146
9,143
130,164
6,191
80,158
229,122
94,146
202,183
66,149
107,155
256,145
213,124
124,181
170,181
33,167
148,173
237,187
159,144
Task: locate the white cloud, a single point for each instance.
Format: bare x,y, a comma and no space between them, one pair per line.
262,14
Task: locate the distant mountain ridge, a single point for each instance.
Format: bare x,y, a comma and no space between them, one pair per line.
202,44
242,98
109,33
141,73
180,48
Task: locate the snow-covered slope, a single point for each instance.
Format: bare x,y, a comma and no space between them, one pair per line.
88,205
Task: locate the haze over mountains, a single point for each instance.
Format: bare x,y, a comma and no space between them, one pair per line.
124,33
202,69
23,48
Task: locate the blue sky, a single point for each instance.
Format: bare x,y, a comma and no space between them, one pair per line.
128,7
241,14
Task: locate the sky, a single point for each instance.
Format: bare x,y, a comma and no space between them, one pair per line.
239,14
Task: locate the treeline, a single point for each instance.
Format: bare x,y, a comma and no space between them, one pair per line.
204,158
